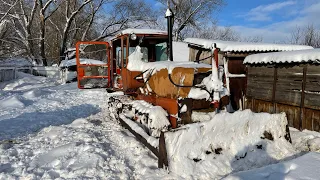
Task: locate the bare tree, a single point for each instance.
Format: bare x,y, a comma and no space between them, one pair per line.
308,35
44,15
191,13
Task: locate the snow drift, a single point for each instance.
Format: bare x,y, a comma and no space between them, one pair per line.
228,143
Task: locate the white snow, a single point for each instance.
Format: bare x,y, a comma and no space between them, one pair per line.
136,63
229,46
227,143
142,31
300,56
305,140
73,62
304,167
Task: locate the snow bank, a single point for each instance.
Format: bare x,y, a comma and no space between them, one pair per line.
301,56
136,63
304,167
244,46
228,143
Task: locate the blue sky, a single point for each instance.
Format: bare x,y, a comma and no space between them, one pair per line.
272,19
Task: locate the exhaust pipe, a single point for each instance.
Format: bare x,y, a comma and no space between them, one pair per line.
169,16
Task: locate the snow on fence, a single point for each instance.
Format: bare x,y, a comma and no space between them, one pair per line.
10,73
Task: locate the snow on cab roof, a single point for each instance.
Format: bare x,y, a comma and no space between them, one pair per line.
231,46
299,56
142,31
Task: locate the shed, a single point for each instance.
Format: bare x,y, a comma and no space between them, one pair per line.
286,82
231,56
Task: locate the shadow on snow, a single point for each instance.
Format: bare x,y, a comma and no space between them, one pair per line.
29,123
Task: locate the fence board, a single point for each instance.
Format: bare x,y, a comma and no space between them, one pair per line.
312,100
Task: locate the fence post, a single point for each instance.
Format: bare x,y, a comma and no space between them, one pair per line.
15,72
302,97
275,76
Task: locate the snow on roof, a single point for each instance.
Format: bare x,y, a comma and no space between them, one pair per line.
142,31
310,55
73,62
229,46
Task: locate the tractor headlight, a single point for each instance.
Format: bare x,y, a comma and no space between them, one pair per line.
133,36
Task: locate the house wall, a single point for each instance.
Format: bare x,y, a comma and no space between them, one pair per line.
293,89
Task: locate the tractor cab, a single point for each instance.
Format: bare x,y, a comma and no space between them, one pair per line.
112,71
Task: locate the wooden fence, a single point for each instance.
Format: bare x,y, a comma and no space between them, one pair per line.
293,89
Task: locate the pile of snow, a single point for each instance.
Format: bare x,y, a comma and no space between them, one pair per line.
73,62
136,63
228,143
305,140
230,46
301,56
304,167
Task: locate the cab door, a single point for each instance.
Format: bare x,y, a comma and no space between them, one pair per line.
93,65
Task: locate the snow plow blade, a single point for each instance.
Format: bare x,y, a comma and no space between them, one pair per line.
241,137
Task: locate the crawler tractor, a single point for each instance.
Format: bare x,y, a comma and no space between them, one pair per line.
140,63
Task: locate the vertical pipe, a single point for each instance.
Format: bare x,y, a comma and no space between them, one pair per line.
169,16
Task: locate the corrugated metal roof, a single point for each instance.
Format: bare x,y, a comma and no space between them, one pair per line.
142,31
230,46
299,56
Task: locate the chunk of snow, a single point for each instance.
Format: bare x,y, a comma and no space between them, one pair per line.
12,102
230,46
300,56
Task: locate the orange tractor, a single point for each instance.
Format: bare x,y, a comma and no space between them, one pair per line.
140,63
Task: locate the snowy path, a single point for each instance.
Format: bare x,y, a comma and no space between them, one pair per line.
92,146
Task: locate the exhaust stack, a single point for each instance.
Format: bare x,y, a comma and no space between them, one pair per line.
169,16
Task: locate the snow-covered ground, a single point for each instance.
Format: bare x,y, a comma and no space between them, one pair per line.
48,131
